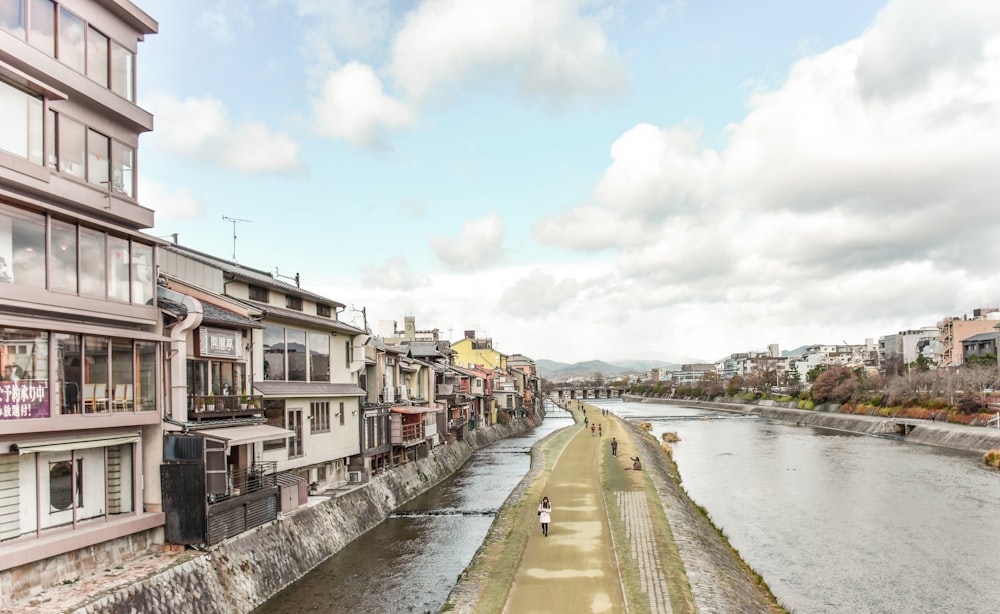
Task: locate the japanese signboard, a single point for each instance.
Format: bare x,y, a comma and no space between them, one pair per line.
24,399
220,343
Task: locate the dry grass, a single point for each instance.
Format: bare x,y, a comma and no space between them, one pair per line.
992,458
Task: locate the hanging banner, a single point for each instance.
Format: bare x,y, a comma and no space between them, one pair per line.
24,399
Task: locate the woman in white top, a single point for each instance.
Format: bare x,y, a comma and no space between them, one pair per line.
545,515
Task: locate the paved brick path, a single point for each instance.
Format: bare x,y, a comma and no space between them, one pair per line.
642,543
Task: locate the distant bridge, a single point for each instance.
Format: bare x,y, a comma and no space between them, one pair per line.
582,392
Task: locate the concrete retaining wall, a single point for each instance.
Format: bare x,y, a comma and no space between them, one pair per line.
957,436
244,572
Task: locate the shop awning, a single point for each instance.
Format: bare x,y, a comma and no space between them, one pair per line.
412,409
239,435
78,443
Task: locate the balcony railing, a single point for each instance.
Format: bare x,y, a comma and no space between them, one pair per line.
216,405
258,476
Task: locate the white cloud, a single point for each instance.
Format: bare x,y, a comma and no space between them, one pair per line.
201,130
548,49
216,24
538,294
353,106
393,274
864,184
169,205
478,245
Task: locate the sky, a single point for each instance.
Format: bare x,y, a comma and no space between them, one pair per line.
589,179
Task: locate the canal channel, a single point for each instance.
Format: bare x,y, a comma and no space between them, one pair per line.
837,522
411,561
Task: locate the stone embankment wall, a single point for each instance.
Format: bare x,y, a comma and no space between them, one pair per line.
245,571
957,436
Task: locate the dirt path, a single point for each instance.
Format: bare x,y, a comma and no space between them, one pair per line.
573,569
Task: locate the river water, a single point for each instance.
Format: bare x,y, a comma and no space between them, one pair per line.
837,522
411,561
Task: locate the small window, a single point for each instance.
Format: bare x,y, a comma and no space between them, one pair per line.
341,414
323,310
319,411
293,302
257,293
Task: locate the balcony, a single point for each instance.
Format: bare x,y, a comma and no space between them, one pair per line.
457,423
201,407
445,390
407,434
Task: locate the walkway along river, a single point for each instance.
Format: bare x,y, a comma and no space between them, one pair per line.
411,561
836,522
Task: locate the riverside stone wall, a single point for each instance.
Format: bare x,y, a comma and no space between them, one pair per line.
245,571
956,436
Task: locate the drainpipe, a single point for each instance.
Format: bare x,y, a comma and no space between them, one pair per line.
178,353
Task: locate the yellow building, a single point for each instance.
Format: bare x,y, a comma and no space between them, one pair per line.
472,351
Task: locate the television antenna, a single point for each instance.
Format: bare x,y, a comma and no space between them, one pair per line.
235,221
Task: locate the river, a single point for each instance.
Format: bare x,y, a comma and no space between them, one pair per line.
837,522
411,561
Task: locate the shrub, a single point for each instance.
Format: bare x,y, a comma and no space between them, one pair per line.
670,437
992,458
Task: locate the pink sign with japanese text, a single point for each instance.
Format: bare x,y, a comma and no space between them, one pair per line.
24,399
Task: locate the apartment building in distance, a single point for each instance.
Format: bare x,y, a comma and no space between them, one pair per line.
81,346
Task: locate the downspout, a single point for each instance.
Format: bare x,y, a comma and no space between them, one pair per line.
178,354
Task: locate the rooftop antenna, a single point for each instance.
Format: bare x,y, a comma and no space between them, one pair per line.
235,221
278,275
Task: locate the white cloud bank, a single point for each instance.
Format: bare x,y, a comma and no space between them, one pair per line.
550,51
201,130
858,198
478,245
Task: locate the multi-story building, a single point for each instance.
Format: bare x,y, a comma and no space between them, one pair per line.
955,330
305,364
80,339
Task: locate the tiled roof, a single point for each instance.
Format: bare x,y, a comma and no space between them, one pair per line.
255,276
298,316
308,389
213,314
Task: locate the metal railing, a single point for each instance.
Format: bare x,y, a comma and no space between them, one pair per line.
214,404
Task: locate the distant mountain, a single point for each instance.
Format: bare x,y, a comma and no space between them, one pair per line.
561,371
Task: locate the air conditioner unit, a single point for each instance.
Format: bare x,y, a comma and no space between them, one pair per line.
354,477
402,392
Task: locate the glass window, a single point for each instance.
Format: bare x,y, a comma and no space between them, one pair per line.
95,374
12,17
319,412
50,141
122,169
295,425
61,495
122,62
142,274
197,377
98,158
228,378
296,340
71,39
72,146
22,247
274,415
42,35
93,280
118,283
97,56
274,353
145,393
319,357
63,262
69,373
122,376
21,128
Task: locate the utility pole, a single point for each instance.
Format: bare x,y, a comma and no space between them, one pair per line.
235,221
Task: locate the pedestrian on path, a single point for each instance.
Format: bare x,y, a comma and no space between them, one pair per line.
600,430
586,422
545,515
592,429
614,447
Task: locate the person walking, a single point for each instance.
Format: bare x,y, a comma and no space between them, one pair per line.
593,429
600,430
614,447
545,515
